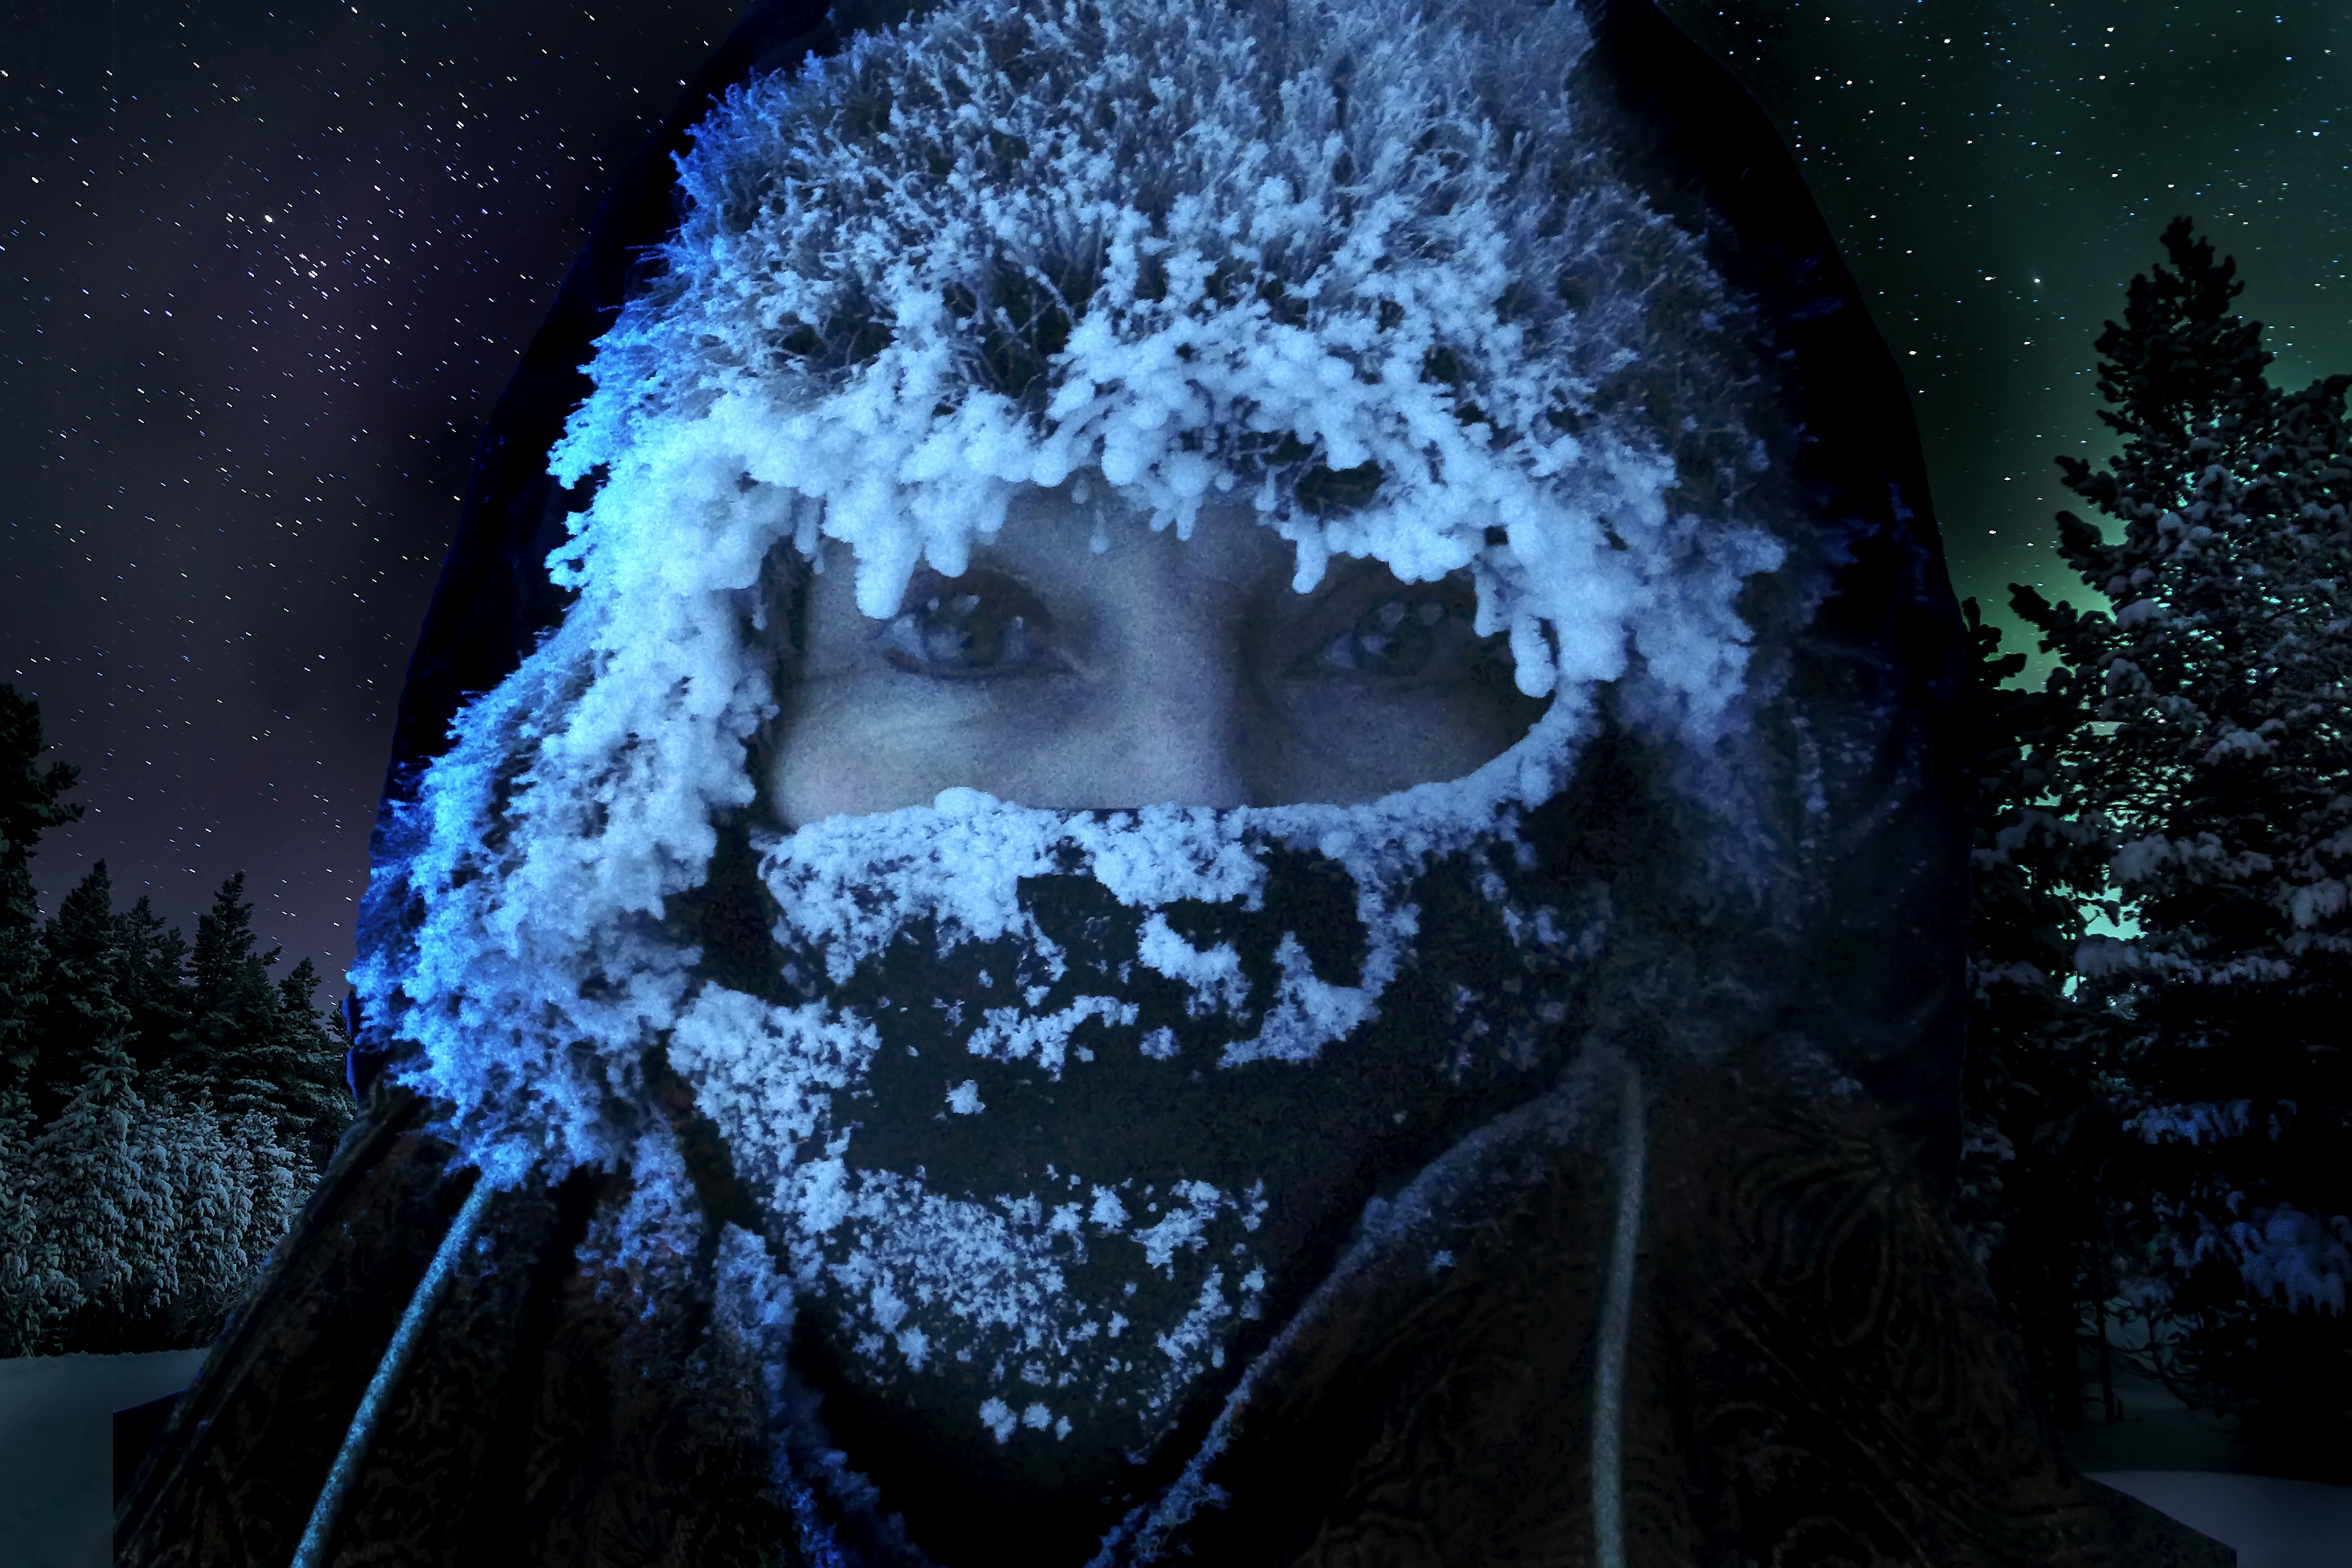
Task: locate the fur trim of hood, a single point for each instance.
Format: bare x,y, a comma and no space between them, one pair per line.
1444,301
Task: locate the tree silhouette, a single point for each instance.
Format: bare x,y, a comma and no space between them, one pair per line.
31,801
261,1046
154,983
80,1014
2035,1130
2210,764
164,1108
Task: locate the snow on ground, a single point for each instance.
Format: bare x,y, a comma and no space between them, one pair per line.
2272,1523
2191,1464
56,1442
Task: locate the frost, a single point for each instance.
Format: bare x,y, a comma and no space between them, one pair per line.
984,1281
2290,1254
655,1234
1256,286
1307,1012
1167,152
1109,1212
1215,977
1009,1035
1191,1336
817,1194
1186,1229
752,1305
772,1067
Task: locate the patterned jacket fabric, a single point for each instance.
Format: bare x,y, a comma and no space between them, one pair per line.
1844,1395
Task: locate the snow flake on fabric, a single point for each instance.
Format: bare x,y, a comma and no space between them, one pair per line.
971,973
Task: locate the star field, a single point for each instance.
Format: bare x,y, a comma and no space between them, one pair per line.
1996,173
272,269
269,269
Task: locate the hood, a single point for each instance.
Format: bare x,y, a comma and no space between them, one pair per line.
1048,1121
1538,297
1029,1143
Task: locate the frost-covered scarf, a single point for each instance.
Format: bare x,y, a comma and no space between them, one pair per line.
1045,1110
1057,1115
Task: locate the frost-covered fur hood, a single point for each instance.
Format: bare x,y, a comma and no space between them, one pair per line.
1050,1123
1446,289
1003,1090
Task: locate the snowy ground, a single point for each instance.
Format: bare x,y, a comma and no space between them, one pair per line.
2187,1464
56,1435
57,1442
2272,1523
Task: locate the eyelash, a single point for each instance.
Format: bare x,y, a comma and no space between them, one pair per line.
982,626
943,624
1403,629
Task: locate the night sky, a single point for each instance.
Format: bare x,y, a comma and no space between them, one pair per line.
268,269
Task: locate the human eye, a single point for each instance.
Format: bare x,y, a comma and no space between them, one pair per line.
1402,635
969,627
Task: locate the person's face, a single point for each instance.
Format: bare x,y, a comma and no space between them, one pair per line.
1155,671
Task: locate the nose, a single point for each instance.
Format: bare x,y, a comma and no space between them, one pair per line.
1176,728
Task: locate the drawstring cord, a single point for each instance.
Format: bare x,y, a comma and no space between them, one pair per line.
1616,1324
311,1552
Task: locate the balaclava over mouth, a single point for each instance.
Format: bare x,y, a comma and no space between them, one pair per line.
1045,1118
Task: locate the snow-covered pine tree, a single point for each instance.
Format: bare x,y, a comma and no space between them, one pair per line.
29,1278
2219,761
277,1179
109,1221
212,1182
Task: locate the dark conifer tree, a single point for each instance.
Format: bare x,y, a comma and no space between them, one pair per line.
31,801
31,795
319,1099
2215,761
2035,1130
229,994
161,1110
80,1013
261,1046
155,984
